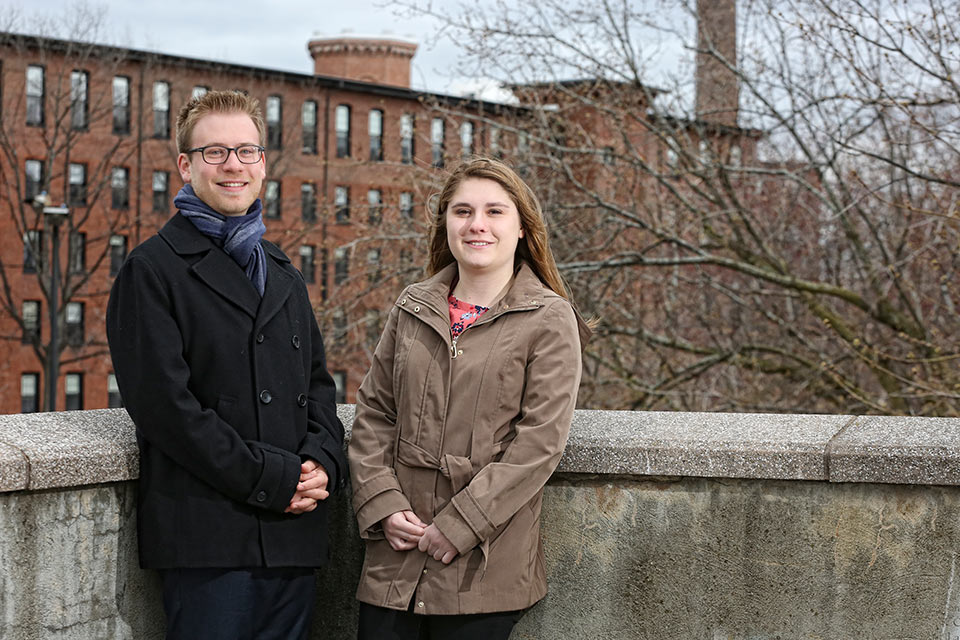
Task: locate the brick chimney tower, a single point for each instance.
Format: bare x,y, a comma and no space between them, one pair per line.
380,60
718,91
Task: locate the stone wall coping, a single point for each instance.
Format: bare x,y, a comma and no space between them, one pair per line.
73,448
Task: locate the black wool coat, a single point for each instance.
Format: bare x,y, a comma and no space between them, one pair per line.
228,393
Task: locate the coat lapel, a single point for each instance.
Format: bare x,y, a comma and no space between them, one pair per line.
279,284
215,268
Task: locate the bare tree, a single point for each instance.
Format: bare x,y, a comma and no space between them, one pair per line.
67,100
793,249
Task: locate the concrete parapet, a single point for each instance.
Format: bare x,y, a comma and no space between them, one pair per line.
656,525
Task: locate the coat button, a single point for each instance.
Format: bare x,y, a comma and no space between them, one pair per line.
265,397
262,496
302,400
259,338
420,604
296,342
417,309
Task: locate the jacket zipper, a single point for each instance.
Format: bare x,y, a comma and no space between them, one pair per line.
456,352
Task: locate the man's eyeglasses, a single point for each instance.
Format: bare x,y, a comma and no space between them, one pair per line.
217,154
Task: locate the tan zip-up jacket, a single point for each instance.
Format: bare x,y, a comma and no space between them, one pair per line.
465,434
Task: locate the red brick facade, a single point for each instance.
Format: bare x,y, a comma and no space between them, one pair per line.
372,238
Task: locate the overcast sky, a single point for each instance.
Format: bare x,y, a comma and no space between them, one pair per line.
270,34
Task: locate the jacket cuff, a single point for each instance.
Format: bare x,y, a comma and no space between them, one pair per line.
377,508
278,480
464,528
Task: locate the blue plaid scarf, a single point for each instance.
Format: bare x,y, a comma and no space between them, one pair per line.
238,236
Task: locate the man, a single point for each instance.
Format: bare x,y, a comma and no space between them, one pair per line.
220,364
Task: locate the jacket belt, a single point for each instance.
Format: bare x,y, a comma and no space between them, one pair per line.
458,469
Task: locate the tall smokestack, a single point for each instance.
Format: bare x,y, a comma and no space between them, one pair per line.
718,92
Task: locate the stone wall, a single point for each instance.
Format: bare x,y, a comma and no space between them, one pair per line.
656,525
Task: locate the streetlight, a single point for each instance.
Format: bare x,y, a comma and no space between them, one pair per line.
53,216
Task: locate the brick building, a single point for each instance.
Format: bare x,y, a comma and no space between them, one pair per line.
352,153
352,156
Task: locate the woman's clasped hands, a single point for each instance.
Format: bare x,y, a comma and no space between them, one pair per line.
405,532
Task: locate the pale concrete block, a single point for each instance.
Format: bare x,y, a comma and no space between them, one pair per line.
72,448
722,445
897,449
13,468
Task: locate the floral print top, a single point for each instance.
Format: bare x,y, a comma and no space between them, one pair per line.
462,315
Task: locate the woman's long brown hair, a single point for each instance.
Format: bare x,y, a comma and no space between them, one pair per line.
534,246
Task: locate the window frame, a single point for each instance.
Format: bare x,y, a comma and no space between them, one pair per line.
273,117
36,102
309,130
120,199
341,124
32,323
118,252
35,406
308,202
375,130
161,112
121,105
437,138
79,100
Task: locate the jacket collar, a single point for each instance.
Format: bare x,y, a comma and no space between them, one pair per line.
222,274
525,289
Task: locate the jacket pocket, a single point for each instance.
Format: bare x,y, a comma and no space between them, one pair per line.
227,409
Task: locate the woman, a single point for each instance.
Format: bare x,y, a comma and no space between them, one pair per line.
462,418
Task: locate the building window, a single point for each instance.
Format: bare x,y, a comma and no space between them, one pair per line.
77,252
78,99
436,141
77,193
118,253
376,135
120,188
74,324
161,199
161,110
736,156
113,392
30,313
121,105
341,265
406,138
466,139
73,385
373,327
495,149
308,121
33,171
341,203
375,205
406,205
324,258
29,393
339,326
340,380
308,202
373,265
274,122
307,267
35,95
342,124
199,91
271,199
32,250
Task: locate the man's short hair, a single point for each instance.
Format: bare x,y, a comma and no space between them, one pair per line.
216,102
